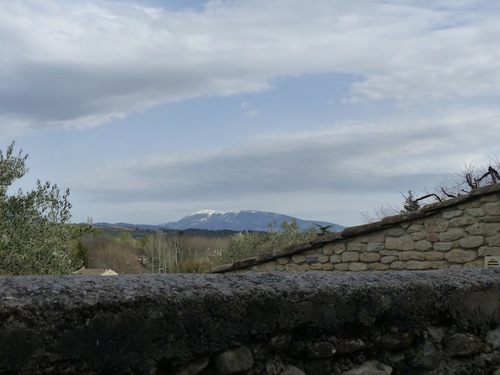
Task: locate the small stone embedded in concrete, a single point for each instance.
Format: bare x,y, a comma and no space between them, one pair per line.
493,338
280,343
234,361
426,357
321,350
351,346
370,368
462,344
195,367
292,370
395,340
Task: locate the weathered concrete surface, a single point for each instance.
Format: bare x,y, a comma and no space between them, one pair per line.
161,323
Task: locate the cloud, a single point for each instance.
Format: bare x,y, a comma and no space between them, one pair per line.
72,64
340,159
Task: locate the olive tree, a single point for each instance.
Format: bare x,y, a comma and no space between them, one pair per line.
34,235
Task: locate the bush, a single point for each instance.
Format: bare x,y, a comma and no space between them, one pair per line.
248,244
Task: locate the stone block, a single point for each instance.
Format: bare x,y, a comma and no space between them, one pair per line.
417,236
493,240
327,266
432,237
357,266
267,267
443,246
336,258
475,212
407,255
488,251
434,255
378,267
388,259
423,245
339,248
283,260
369,257
316,267
439,264
487,229
478,263
291,267
418,265
356,246
323,258
436,225
452,234
350,256
377,237
375,246
462,221
460,256
471,242
399,243
398,265
298,259
492,209
342,267
451,214
328,249
415,228
304,267
280,267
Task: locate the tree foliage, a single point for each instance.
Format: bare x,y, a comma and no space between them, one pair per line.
246,244
34,235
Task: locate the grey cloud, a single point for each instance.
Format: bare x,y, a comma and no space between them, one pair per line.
80,65
374,158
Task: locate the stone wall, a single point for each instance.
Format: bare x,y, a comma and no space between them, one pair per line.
321,323
457,233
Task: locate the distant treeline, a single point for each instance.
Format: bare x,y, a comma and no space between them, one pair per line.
138,232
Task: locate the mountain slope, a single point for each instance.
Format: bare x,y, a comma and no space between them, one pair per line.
239,221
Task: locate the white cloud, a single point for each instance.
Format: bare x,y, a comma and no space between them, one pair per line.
82,64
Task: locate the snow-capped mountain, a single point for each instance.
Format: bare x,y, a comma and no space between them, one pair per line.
239,221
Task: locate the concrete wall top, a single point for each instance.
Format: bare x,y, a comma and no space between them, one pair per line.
156,323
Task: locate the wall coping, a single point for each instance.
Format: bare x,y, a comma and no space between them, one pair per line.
157,323
387,222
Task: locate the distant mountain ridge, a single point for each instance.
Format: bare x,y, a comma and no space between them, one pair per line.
240,221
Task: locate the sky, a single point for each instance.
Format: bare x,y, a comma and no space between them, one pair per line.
322,109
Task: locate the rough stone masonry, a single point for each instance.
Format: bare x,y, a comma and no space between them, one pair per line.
420,322
456,233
